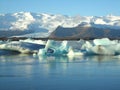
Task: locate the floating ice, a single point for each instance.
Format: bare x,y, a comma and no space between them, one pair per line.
102,46
117,56
54,48
72,53
104,41
22,47
101,50
29,40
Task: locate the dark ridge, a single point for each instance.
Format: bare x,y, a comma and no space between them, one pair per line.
86,33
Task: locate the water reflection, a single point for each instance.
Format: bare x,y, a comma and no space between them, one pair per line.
73,73
83,63
78,59
30,59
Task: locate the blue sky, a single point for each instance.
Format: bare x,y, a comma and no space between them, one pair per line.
65,7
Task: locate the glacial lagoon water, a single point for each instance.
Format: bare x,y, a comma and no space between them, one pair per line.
28,72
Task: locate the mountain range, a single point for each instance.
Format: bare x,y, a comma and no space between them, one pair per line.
42,24
85,32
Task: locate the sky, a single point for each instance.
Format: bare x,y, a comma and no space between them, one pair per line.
64,7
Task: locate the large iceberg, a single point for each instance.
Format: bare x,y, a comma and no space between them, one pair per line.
21,47
54,48
102,46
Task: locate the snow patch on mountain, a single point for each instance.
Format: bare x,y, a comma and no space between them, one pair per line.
27,20
22,22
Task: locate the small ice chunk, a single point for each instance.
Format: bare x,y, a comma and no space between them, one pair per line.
102,50
104,41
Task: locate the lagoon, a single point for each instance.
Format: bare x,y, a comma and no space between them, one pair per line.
28,72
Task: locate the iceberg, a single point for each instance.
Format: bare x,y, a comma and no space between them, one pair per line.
117,56
21,47
29,40
72,53
54,48
8,52
104,41
101,50
102,46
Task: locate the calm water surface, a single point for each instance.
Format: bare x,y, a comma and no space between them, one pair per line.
25,72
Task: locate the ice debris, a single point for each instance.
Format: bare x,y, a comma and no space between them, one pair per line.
102,46
54,48
21,47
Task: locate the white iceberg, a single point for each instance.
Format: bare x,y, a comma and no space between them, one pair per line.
21,47
102,46
54,48
72,53
29,40
104,41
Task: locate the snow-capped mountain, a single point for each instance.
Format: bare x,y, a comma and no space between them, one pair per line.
45,23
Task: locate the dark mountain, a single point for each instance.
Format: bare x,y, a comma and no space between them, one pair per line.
84,32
